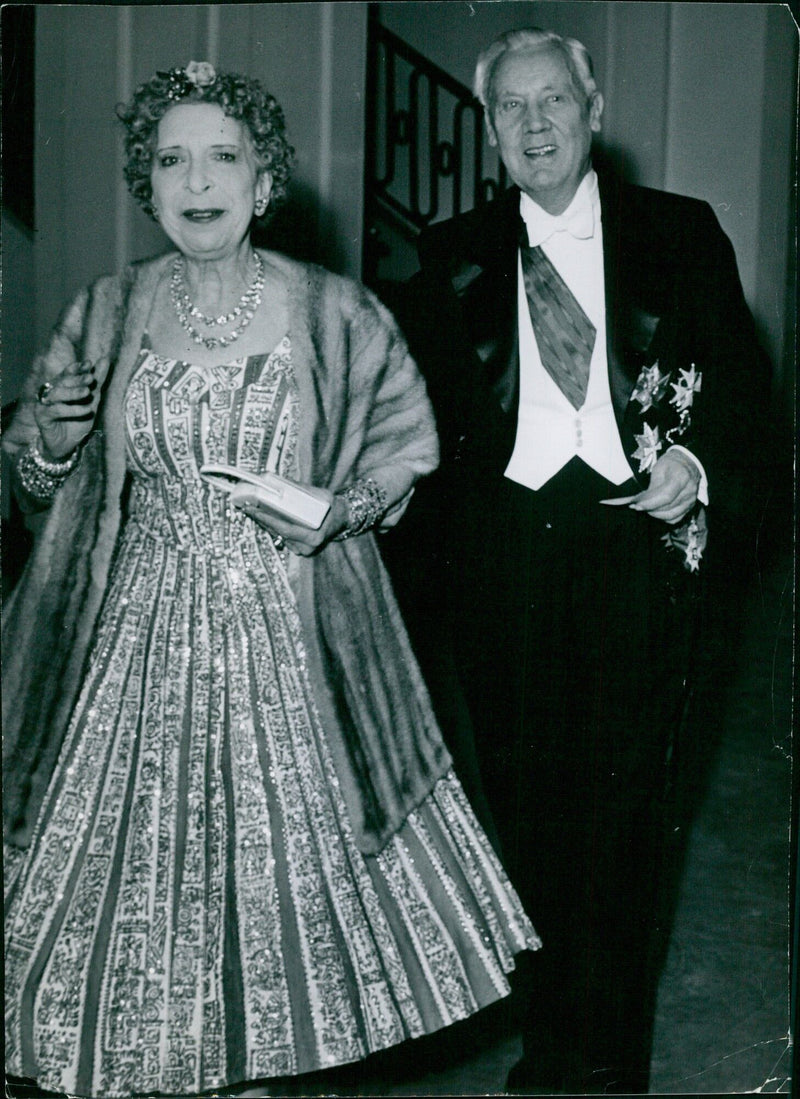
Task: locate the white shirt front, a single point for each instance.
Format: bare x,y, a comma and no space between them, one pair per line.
550,431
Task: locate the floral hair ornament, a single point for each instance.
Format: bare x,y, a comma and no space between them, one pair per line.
197,74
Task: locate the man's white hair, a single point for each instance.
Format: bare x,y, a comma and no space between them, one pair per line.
575,53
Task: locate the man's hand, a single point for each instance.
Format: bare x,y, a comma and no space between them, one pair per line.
672,492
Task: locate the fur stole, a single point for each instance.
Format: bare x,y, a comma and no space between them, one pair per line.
364,411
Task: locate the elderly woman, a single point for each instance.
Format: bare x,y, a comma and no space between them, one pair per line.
236,847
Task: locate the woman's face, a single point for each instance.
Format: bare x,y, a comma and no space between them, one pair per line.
205,179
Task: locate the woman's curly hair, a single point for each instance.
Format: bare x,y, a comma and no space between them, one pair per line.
239,97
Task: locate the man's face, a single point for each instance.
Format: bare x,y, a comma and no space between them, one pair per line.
542,125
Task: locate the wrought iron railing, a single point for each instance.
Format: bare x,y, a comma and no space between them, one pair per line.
426,156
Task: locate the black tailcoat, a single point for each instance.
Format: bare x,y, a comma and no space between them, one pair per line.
673,295
568,626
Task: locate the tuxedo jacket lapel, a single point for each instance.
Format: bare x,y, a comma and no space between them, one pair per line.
629,328
640,315
483,275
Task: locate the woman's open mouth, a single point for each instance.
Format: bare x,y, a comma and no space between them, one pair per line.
202,216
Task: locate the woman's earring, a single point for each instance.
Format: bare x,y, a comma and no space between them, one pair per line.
261,206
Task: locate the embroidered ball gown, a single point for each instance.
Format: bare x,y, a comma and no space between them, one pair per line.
193,910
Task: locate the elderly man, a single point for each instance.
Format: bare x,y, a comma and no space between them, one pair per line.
588,351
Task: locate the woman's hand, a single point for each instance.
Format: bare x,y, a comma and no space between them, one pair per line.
299,539
65,409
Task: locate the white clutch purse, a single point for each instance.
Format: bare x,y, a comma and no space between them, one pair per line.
307,506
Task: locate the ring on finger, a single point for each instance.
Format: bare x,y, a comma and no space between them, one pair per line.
43,391
279,542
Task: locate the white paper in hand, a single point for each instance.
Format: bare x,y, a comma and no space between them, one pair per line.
307,506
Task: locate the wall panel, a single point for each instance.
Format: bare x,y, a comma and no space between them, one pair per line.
75,151
636,87
776,264
18,310
715,117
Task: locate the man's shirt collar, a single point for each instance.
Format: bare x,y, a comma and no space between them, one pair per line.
579,218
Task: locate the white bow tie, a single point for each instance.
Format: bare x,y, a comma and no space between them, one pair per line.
579,223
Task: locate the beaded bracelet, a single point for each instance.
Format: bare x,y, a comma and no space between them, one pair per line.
366,502
40,478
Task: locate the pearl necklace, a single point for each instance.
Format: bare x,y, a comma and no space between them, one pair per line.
185,308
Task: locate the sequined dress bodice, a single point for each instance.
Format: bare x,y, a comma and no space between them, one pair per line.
180,416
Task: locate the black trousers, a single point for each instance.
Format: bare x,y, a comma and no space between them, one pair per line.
572,628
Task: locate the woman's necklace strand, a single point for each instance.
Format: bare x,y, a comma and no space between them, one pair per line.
191,309
184,308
